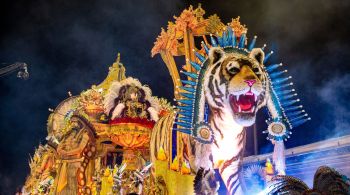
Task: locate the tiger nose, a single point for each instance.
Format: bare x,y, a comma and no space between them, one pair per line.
250,82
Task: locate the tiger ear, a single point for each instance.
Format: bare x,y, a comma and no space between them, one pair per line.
215,54
258,55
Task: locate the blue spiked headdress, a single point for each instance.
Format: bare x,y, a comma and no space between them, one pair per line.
285,109
283,106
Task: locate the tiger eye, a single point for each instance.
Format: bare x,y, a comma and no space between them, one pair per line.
256,70
233,70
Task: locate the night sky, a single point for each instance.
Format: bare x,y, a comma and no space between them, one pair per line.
69,46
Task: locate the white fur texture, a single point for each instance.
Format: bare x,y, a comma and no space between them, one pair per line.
118,110
154,113
258,54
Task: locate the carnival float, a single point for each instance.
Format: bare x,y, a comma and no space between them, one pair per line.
117,138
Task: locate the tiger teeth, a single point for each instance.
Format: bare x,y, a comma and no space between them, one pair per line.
255,98
237,97
239,108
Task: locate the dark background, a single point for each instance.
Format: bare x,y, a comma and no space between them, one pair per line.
69,46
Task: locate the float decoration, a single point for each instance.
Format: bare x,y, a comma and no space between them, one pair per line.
182,38
98,141
101,138
43,169
283,104
284,114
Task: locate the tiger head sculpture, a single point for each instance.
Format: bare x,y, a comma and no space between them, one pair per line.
236,83
228,80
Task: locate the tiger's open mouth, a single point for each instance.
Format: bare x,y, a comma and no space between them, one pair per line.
244,103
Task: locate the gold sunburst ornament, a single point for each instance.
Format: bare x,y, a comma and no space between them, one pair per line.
277,130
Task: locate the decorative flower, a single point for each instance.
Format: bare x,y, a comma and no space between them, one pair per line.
165,41
237,27
187,19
